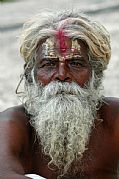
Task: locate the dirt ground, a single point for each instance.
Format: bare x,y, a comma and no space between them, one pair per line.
14,14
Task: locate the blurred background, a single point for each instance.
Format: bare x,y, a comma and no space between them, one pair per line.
12,16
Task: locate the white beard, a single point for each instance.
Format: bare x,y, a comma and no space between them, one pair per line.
63,115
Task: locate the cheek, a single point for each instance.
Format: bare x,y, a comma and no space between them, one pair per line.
43,76
82,77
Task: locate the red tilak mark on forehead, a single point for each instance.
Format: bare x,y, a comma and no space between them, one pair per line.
60,36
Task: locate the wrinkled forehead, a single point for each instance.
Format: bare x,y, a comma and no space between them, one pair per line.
62,45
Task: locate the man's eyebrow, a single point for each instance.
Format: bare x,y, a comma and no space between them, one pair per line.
49,58
68,58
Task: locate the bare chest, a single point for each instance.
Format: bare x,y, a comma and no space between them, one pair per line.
99,160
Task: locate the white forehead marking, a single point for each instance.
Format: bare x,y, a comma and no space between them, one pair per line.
49,49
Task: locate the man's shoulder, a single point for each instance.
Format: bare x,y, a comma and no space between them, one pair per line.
14,113
109,111
15,118
111,103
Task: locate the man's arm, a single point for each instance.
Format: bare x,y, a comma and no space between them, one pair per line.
13,141
110,114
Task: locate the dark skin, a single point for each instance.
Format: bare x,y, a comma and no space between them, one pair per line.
20,151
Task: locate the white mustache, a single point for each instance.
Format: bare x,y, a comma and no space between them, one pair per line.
58,88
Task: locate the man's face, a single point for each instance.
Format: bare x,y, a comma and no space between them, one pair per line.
70,64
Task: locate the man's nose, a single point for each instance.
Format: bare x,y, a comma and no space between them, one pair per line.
62,74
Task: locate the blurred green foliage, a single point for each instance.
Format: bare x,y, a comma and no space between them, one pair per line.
6,0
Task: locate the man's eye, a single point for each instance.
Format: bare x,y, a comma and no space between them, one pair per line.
77,64
49,64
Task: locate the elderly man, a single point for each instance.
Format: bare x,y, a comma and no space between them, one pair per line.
65,127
